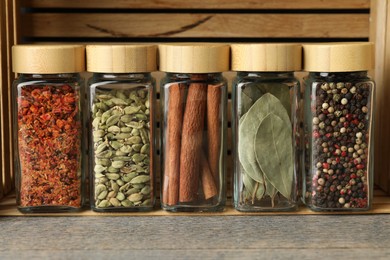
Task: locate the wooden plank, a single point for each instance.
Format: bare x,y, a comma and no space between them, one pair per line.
158,25
7,39
6,78
45,252
380,22
196,4
381,205
3,84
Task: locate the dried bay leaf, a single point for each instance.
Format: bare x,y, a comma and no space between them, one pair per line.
252,92
247,132
271,191
250,186
273,148
280,91
249,95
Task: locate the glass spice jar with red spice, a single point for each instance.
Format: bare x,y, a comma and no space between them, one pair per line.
121,98
47,121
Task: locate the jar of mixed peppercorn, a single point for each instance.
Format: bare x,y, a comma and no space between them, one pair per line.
338,126
47,121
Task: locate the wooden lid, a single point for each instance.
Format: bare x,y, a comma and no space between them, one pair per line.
266,57
121,58
48,59
194,57
338,57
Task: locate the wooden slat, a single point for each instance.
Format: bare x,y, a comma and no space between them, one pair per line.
379,33
380,206
6,78
205,4
3,82
195,25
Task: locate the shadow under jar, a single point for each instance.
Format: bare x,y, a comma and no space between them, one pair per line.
47,101
193,98
265,126
121,104
338,127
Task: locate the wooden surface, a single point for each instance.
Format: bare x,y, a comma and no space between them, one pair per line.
203,4
171,237
381,205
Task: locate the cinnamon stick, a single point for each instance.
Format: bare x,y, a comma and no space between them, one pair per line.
191,143
214,93
173,145
208,184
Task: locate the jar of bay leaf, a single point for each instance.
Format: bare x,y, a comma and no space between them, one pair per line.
47,99
122,147
193,98
265,122
338,126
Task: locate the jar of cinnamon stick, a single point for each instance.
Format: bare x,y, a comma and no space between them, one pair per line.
194,98
121,102
265,126
47,101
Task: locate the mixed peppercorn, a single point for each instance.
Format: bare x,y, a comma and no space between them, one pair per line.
340,136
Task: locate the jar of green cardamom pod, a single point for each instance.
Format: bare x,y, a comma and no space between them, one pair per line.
265,123
338,126
121,123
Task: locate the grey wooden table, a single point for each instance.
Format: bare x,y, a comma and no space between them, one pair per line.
219,237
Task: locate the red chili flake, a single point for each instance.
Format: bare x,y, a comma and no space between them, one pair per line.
49,153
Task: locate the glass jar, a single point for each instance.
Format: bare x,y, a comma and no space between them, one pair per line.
121,126
338,127
265,124
194,99
47,120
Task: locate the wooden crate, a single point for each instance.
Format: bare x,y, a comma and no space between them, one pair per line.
48,21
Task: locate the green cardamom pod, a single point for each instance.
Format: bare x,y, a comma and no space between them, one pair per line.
140,179
118,164
112,120
99,168
135,197
132,110
112,176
